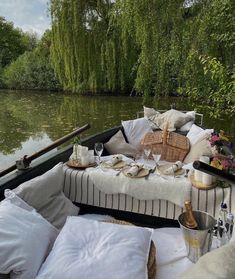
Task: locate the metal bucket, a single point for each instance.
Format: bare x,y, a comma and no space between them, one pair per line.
198,241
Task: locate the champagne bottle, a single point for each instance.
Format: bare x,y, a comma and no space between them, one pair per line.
190,221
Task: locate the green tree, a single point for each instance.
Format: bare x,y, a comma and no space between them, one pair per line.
13,42
87,52
209,68
32,70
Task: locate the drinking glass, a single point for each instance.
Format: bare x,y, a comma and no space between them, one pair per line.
99,147
147,151
156,158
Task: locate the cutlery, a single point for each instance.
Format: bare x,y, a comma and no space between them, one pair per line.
150,171
186,175
118,171
117,174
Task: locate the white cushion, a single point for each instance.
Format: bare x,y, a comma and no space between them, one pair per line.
196,134
173,118
118,145
45,194
149,112
187,126
25,239
96,250
135,131
218,264
200,148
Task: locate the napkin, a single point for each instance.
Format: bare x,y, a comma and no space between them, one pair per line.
176,166
114,160
134,169
78,152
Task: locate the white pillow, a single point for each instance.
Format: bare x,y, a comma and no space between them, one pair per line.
200,148
218,264
187,126
96,250
173,118
26,239
196,134
45,194
135,131
118,145
150,112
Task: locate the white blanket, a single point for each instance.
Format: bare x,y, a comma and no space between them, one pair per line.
176,190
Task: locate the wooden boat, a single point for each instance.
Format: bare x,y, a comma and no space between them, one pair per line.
158,213
150,213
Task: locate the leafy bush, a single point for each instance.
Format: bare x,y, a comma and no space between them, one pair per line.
32,70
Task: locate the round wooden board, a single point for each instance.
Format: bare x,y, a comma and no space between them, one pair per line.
142,173
200,185
162,168
118,165
78,165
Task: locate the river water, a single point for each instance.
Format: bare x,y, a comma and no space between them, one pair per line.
29,121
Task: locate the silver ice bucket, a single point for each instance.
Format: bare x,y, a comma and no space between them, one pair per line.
198,241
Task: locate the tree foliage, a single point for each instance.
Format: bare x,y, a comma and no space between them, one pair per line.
87,52
155,47
32,70
13,42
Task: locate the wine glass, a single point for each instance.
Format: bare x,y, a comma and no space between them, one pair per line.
147,151
156,158
99,147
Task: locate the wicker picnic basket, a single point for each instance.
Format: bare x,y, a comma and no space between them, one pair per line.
172,146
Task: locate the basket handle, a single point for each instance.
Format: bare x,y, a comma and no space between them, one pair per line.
165,134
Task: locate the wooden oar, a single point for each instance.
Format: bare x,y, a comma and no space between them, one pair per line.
27,160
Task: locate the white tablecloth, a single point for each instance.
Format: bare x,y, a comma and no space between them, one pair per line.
175,190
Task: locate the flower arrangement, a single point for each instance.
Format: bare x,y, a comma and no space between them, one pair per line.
223,163
220,142
221,148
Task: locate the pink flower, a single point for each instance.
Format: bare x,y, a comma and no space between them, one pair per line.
226,164
214,138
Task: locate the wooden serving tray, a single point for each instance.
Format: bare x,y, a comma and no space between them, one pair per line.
142,173
118,165
164,167
200,185
78,165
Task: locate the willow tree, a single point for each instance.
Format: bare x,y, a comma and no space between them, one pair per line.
155,47
185,47
209,78
157,27
86,49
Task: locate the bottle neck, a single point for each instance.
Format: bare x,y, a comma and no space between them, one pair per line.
190,221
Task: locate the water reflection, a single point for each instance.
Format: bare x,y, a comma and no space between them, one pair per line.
28,147
30,121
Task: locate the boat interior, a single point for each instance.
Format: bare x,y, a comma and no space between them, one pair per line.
109,222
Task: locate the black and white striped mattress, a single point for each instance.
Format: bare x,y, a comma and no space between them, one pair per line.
79,188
